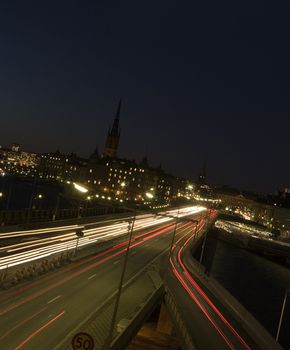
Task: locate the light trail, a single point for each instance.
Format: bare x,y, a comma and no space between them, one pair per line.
25,252
20,346
189,283
114,251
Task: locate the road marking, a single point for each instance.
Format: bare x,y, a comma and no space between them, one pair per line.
91,276
50,301
116,262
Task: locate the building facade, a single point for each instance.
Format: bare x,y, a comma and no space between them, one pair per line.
16,162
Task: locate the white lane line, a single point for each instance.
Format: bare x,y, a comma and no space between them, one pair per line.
50,301
91,276
116,262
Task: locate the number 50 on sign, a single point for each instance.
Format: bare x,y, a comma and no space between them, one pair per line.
82,341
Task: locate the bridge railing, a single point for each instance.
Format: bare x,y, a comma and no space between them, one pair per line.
25,216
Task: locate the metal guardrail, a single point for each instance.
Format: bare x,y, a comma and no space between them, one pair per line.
243,317
136,304
24,216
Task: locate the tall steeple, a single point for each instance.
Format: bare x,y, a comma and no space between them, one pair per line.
115,127
113,136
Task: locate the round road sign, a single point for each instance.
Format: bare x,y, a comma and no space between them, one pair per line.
82,341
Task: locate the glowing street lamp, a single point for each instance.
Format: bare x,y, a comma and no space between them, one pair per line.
149,195
80,188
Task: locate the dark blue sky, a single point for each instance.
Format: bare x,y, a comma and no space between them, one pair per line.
199,79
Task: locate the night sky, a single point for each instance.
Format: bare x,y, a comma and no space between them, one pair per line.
199,80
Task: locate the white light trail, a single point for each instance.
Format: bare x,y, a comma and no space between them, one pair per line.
64,238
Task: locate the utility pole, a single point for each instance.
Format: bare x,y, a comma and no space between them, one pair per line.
282,314
205,237
108,342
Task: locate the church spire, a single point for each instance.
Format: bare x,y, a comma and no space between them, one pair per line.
113,136
115,128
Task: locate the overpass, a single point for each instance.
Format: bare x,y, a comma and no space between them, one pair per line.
48,310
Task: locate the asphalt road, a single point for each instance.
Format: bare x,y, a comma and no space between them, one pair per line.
39,314
27,246
210,323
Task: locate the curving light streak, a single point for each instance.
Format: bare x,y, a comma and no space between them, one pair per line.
188,282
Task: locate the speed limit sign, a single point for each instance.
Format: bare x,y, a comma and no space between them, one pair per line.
82,341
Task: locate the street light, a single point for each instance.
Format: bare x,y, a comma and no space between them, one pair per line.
38,200
80,188
205,236
282,314
131,223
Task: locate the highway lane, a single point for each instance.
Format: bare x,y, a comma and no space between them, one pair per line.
41,314
212,325
44,242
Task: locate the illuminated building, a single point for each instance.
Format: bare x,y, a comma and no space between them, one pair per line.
16,162
57,166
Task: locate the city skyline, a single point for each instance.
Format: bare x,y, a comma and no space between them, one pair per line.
198,81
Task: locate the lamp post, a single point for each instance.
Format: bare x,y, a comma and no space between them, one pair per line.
56,206
39,198
79,234
282,314
205,237
31,199
82,189
177,219
173,236
1,195
114,316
